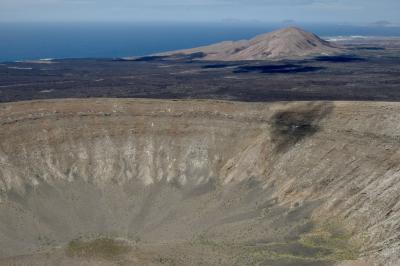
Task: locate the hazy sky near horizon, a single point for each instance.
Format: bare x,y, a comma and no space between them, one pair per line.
329,11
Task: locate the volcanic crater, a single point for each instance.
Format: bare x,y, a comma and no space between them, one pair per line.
199,182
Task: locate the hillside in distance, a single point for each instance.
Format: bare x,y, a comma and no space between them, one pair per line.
287,43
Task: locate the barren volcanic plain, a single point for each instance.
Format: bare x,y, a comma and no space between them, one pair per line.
288,162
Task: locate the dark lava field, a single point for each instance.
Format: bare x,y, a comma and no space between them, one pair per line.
369,71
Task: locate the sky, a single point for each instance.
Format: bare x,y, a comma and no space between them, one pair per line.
381,12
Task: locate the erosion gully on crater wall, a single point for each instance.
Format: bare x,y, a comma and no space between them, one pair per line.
154,182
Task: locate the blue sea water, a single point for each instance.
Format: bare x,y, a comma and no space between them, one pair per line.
24,41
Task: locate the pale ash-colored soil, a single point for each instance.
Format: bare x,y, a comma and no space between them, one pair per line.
199,183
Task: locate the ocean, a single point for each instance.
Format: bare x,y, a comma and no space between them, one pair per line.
30,41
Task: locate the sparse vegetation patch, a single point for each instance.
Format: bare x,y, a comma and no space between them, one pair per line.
102,247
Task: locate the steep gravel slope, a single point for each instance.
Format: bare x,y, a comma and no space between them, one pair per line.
149,182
